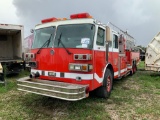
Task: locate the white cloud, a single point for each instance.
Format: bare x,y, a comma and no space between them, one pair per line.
132,12
7,12
140,17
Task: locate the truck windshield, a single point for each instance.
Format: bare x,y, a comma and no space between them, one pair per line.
75,36
42,35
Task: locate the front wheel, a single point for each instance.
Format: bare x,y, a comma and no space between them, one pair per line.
105,90
134,69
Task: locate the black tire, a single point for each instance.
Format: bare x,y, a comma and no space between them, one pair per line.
105,90
24,65
131,73
134,68
2,77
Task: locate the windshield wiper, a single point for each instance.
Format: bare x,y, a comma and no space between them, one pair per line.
46,43
59,41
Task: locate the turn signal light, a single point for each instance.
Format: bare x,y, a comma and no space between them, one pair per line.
84,67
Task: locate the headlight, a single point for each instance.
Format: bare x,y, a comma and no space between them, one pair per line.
71,67
80,67
77,67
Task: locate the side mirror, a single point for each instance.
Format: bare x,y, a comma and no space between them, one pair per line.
108,34
32,30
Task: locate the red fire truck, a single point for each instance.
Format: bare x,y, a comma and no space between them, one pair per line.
71,57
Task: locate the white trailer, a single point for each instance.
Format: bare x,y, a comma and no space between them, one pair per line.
152,57
11,37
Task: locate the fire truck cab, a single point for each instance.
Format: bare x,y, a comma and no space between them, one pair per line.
71,57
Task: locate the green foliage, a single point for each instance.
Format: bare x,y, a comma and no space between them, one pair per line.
142,47
141,65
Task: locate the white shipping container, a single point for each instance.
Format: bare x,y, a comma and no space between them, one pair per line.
152,57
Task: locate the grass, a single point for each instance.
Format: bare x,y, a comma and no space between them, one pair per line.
134,97
141,65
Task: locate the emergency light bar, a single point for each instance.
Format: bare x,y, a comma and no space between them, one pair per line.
80,15
49,20
73,16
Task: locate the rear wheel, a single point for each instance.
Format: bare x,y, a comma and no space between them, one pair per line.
105,90
1,77
134,68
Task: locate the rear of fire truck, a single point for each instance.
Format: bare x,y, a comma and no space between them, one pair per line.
69,58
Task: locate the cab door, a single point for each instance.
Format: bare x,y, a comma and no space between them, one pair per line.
99,53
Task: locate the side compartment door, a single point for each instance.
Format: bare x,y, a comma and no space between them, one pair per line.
115,55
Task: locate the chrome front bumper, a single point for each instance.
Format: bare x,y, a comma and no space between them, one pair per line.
60,90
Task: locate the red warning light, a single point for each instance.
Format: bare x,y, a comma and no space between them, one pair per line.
80,15
49,20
